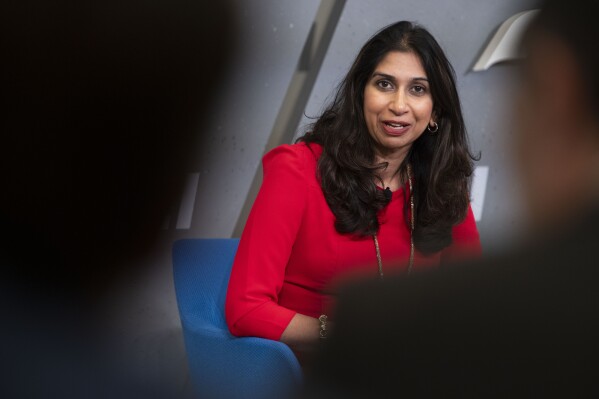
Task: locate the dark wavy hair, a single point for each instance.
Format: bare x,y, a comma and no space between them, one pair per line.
442,162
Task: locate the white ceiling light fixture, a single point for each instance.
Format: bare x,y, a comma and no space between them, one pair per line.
505,44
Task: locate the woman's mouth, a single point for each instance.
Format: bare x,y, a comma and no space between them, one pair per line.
394,128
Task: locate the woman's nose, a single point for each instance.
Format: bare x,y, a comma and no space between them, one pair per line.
398,104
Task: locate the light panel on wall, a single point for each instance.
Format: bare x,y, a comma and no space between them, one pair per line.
479,187
188,202
505,44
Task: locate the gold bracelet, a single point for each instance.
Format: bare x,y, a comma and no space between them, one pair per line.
323,326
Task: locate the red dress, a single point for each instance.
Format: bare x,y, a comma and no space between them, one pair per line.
290,252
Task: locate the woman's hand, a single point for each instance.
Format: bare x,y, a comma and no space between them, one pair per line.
302,333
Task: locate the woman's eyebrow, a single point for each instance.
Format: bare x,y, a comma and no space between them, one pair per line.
393,78
384,76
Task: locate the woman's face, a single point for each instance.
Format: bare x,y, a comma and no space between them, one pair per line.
398,105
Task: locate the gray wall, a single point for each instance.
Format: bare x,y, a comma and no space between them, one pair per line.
273,34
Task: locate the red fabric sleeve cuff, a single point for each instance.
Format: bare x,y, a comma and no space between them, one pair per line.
268,321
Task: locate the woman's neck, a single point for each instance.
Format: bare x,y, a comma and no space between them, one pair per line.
390,175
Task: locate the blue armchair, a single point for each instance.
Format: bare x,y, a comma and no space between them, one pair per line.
221,365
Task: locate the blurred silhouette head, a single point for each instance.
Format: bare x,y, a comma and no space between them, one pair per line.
102,102
557,144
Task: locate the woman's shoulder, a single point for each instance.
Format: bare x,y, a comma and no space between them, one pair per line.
300,155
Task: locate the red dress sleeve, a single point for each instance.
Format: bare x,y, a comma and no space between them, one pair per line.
466,241
259,268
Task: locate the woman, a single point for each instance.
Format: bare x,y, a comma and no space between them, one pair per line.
379,185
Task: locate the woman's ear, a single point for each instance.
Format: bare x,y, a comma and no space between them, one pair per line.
433,120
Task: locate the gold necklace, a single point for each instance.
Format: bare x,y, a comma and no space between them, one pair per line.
376,241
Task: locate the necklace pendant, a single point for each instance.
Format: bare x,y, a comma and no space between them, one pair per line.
388,194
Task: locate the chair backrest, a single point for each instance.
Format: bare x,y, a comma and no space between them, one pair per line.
221,365
201,272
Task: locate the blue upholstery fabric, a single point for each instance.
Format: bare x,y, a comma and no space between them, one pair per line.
221,365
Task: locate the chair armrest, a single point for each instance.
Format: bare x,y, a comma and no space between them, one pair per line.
267,368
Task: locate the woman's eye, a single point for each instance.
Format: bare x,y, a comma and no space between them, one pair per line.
419,89
384,84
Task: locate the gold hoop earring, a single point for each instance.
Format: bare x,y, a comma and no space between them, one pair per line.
436,129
